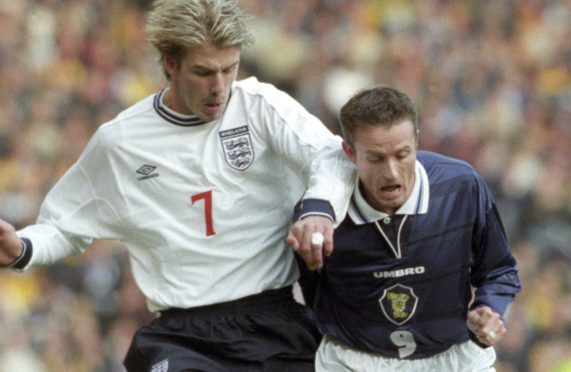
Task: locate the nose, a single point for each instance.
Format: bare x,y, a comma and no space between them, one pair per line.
391,170
218,84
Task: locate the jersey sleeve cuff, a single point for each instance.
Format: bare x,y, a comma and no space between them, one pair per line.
313,207
24,259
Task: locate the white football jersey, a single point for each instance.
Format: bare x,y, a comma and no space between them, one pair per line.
203,208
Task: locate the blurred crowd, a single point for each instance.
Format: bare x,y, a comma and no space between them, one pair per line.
491,79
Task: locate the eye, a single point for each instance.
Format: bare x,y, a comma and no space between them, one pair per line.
230,69
374,159
403,155
202,72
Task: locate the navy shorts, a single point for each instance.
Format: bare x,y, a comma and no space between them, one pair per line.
265,332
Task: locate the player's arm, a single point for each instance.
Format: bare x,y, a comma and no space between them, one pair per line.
316,155
494,272
73,213
332,177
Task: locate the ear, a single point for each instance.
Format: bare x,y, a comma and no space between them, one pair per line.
349,152
170,66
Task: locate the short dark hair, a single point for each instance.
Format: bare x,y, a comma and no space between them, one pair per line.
381,105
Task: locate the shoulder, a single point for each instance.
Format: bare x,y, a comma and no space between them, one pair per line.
445,165
251,90
116,130
252,86
110,135
146,106
449,175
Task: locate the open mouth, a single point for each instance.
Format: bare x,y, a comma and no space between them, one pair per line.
391,188
391,192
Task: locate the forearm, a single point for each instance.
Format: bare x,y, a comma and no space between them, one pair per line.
51,244
498,291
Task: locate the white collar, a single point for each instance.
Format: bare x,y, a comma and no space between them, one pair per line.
417,203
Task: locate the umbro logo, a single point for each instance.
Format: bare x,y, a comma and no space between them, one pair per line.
146,172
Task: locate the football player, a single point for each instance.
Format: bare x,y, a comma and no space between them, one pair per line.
422,273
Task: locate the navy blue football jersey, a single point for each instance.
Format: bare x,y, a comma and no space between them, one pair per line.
402,286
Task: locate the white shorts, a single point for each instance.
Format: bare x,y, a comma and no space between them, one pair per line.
333,356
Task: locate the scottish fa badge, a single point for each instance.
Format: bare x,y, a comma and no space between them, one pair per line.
237,147
398,303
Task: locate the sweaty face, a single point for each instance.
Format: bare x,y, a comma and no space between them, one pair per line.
385,157
200,83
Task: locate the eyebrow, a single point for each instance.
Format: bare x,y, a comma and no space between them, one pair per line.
379,153
202,68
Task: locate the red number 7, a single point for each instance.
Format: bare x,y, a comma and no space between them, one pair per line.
207,196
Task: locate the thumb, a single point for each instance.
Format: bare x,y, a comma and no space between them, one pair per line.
473,320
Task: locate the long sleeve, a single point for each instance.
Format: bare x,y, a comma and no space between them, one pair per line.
494,272
309,148
72,214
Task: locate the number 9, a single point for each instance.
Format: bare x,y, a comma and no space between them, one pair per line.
405,342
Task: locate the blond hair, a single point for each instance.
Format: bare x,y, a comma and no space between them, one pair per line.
174,26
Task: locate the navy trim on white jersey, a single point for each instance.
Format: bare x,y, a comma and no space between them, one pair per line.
313,207
172,116
24,258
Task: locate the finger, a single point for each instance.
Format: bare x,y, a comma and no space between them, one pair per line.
292,241
473,319
305,249
328,243
317,240
490,326
297,244
493,328
491,337
481,316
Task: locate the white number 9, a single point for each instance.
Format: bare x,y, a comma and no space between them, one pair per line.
405,342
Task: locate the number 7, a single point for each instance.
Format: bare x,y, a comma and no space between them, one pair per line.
207,196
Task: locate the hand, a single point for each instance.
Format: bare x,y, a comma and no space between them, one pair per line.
487,325
10,244
300,239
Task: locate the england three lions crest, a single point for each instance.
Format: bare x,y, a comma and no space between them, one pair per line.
237,147
398,303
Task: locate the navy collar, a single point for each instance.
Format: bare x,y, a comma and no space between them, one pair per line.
172,116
